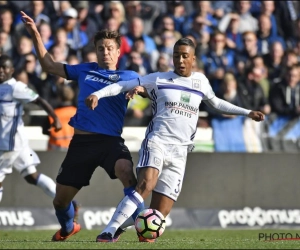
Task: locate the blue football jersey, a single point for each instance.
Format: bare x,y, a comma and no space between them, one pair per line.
108,117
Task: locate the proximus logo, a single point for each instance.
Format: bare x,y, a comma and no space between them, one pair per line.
258,217
16,218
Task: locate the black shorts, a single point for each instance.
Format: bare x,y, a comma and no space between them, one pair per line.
86,153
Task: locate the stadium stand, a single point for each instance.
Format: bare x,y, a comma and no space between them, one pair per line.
240,37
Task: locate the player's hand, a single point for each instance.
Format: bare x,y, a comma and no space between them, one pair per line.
29,23
91,102
256,116
56,125
138,90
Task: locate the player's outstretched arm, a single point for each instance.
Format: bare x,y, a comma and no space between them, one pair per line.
224,107
47,107
112,90
46,60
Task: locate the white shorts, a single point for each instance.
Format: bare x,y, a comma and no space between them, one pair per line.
24,161
170,160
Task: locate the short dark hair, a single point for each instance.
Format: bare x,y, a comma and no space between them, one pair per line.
108,34
186,42
4,58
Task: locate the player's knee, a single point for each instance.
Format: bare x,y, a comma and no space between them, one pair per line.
124,171
60,203
146,185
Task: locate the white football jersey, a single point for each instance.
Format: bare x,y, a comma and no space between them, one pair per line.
13,95
175,105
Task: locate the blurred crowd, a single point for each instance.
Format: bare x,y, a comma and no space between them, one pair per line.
249,50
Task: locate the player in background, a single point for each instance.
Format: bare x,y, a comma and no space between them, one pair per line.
97,137
176,97
14,147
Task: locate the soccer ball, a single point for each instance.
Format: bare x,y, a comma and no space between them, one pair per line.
150,223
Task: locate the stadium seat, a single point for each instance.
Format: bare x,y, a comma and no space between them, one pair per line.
294,132
275,127
228,134
291,139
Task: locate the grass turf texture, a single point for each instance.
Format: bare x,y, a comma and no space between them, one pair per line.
171,239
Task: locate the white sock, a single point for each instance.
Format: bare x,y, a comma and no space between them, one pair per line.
129,222
47,185
123,212
1,192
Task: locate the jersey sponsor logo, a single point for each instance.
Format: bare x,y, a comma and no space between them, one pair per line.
114,77
97,79
185,97
181,109
16,218
196,83
170,80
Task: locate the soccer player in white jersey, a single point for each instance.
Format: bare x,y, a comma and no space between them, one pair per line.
176,97
14,148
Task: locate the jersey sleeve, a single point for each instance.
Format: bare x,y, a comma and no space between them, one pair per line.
24,94
148,81
207,90
72,71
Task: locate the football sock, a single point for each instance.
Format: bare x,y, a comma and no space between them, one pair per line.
128,190
124,210
140,207
129,222
65,218
1,192
46,184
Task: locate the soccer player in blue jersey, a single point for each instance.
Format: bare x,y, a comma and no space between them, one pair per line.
97,137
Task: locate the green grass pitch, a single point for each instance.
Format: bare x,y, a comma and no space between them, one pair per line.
171,239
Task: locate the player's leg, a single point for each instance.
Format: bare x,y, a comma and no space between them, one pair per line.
161,203
40,180
65,211
26,164
124,171
169,184
85,153
118,164
147,178
74,173
6,162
